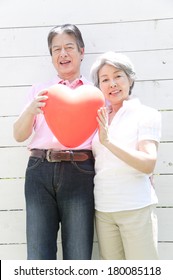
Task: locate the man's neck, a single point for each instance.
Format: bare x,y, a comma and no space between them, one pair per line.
70,78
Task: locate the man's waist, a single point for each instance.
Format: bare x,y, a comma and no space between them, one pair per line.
62,155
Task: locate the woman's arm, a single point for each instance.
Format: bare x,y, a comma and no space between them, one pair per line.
142,159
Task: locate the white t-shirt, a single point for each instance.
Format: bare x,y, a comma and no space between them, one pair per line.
118,186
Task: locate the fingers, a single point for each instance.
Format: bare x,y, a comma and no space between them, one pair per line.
102,120
42,95
99,122
37,105
42,92
40,101
41,104
103,116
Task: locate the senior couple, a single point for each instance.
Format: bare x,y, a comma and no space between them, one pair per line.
106,178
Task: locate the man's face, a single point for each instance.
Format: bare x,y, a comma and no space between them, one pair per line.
66,56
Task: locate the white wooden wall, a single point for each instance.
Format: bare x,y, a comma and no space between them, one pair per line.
141,29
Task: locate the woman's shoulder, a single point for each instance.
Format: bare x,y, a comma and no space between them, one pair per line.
149,111
141,108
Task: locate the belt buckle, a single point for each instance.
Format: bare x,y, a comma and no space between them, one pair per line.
48,157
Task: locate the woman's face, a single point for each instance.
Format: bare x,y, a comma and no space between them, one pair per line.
115,84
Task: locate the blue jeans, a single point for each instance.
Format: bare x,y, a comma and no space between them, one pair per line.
57,194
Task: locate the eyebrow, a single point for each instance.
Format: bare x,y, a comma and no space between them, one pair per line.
68,44
116,71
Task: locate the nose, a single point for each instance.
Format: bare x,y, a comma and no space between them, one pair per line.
63,52
113,83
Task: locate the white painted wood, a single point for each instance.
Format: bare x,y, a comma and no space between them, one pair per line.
13,252
163,185
159,36
21,38
95,254
155,38
12,100
12,227
159,66
12,194
157,94
140,29
18,252
166,250
164,163
30,70
7,138
167,131
13,162
52,12
165,224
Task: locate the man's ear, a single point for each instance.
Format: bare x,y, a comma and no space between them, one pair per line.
82,50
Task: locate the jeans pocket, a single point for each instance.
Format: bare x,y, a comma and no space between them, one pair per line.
86,166
33,162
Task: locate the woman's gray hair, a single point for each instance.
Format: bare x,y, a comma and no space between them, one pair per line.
117,60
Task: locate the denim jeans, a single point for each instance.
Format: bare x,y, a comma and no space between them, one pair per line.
59,196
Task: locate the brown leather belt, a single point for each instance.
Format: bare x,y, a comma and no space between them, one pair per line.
66,155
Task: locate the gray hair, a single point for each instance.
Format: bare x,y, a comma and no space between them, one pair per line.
70,29
117,60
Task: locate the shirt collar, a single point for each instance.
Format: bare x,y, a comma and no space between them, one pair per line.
76,83
131,103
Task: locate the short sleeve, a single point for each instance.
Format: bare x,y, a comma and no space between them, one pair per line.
149,125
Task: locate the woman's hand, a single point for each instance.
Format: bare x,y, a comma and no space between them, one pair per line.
102,119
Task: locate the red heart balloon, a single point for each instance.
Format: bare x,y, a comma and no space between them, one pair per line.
71,113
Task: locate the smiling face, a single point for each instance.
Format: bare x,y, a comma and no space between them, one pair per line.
115,84
66,56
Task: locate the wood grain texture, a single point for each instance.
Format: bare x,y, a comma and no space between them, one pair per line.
140,29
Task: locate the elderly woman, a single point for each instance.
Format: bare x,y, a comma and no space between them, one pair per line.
125,150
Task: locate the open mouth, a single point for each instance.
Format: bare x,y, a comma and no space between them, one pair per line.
115,92
65,62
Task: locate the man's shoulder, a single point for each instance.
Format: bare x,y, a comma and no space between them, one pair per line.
46,84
